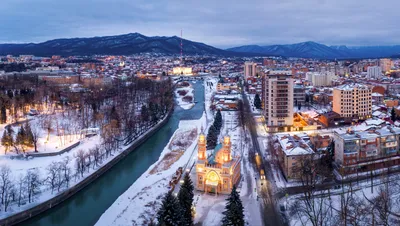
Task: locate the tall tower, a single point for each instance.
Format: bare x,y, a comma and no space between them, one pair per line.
181,50
202,143
226,155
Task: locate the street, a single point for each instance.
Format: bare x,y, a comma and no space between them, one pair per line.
266,187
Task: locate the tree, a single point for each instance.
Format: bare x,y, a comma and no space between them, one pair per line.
185,198
218,121
169,214
20,139
32,180
35,134
233,214
393,115
6,140
257,101
212,137
28,139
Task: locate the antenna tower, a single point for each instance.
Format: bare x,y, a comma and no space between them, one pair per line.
181,48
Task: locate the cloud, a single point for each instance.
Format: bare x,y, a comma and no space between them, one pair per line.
221,23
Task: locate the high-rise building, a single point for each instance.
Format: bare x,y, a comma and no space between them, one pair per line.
299,95
321,78
278,100
250,69
385,64
374,72
353,101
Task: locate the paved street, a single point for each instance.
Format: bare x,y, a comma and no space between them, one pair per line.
266,187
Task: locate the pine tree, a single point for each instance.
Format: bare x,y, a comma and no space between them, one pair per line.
212,137
6,141
169,214
393,115
218,121
185,198
257,101
20,136
28,140
233,214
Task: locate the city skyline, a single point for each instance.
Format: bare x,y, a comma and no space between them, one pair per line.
219,24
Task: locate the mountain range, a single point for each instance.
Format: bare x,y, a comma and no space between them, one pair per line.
317,50
111,45
133,43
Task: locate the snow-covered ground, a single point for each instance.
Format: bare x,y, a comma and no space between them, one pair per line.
253,109
209,207
210,87
180,98
138,205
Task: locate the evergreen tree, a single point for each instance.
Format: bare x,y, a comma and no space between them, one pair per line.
257,101
212,137
28,140
6,141
233,214
393,115
169,213
20,139
185,198
218,121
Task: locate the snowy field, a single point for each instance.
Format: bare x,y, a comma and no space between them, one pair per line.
138,204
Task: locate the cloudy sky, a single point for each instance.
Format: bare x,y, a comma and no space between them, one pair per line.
221,23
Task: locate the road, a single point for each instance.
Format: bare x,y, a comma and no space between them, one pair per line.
266,187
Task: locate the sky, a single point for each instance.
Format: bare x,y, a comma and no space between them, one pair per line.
220,23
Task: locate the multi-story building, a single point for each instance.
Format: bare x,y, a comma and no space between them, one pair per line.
374,72
250,69
353,101
299,95
321,78
278,100
385,64
290,151
357,152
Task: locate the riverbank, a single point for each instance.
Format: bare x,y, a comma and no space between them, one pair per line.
50,201
139,209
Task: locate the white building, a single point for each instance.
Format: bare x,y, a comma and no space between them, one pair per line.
353,101
250,69
374,72
321,78
278,100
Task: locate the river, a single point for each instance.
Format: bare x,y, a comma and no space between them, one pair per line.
86,207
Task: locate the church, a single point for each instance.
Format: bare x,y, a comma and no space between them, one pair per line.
218,172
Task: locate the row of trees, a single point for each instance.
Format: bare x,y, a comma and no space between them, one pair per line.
177,211
214,131
25,137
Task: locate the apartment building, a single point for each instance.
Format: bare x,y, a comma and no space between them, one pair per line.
278,100
321,78
353,101
250,69
385,64
299,95
374,72
290,150
357,152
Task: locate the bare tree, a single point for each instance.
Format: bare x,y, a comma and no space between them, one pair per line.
21,189
35,136
5,181
32,180
66,169
52,172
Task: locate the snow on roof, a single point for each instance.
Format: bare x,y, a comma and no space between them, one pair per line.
294,145
377,95
375,122
349,87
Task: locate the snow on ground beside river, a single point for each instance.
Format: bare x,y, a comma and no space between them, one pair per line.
139,203
180,99
210,87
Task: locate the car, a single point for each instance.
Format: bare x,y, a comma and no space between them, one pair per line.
262,174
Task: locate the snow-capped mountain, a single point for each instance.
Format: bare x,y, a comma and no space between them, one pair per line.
111,45
317,50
